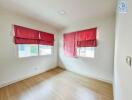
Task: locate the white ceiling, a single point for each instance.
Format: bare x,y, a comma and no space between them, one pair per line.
47,10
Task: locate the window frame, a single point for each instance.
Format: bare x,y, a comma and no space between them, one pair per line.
38,54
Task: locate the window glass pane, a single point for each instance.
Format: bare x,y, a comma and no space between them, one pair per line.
86,52
34,49
45,50
27,50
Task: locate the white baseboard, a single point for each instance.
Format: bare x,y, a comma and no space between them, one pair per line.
101,79
96,78
26,77
92,77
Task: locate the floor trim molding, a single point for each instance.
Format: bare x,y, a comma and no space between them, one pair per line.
92,77
29,76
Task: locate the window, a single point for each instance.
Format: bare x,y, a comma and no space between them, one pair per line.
80,43
86,52
32,42
45,50
29,50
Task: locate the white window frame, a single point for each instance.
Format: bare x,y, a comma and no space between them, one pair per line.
36,55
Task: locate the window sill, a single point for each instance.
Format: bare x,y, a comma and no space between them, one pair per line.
45,55
85,57
35,56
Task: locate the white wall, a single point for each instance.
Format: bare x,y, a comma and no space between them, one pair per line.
13,68
123,48
101,67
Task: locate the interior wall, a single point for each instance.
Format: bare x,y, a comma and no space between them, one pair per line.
13,68
100,67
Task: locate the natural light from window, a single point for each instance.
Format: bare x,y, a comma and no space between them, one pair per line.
86,52
30,50
45,50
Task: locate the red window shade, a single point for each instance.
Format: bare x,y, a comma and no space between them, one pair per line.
87,38
25,35
46,38
88,43
70,44
25,41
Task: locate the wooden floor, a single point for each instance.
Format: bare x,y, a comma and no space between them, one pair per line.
57,84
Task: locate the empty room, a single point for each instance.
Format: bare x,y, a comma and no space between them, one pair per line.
65,50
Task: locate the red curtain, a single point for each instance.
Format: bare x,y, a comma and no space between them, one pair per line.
70,44
46,38
87,38
25,41
88,43
25,35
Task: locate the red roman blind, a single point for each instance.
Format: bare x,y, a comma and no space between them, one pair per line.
87,38
46,38
70,44
25,35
